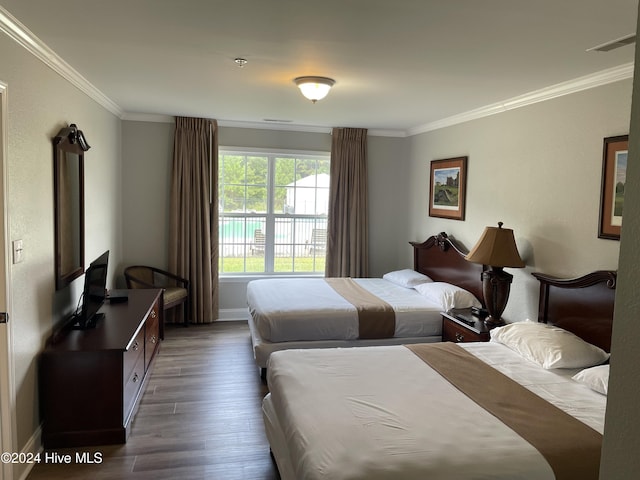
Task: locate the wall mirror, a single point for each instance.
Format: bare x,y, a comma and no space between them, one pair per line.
68,171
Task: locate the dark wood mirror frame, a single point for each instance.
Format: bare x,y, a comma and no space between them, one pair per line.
68,172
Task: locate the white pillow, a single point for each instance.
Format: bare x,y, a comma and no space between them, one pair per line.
447,295
406,278
596,378
548,346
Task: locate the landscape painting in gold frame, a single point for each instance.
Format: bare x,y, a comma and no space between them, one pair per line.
614,179
447,188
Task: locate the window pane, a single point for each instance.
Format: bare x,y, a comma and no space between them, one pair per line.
322,196
257,173
324,166
231,169
285,171
299,245
317,244
281,201
232,198
305,168
242,244
308,195
256,201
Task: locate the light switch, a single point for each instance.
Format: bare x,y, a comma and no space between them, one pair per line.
17,251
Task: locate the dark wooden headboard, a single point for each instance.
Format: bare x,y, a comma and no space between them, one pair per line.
442,258
582,305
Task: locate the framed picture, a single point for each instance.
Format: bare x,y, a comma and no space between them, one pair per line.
447,188
614,180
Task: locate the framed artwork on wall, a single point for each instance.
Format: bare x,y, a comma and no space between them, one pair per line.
614,179
447,188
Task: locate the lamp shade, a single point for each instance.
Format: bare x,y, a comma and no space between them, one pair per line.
314,88
496,248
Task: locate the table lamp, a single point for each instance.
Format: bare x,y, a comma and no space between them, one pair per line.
496,249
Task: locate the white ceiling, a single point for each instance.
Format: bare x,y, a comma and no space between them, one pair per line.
401,66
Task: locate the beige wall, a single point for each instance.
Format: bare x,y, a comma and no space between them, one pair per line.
147,148
537,169
40,102
388,197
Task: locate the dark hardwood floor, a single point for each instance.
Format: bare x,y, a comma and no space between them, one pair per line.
199,418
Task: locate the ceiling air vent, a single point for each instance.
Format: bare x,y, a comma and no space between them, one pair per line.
613,44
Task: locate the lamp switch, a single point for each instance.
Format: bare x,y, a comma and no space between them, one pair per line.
17,251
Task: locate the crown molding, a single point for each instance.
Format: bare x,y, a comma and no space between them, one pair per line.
24,37
303,128
287,127
148,117
603,77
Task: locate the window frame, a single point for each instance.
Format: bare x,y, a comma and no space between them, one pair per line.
270,216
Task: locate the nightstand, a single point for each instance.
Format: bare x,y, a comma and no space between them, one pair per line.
457,330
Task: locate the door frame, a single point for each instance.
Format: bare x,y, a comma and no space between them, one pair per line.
7,381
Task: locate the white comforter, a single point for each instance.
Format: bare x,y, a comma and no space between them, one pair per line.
382,413
286,310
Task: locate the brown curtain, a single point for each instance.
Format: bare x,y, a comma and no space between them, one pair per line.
193,223
347,232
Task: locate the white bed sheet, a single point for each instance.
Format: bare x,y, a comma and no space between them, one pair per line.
382,413
286,310
262,348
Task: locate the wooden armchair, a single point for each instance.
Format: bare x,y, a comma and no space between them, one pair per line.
175,288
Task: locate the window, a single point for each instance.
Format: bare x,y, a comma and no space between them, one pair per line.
272,211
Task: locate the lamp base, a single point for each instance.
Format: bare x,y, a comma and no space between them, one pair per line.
496,284
492,322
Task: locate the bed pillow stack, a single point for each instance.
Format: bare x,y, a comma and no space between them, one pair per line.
406,278
596,378
448,295
549,346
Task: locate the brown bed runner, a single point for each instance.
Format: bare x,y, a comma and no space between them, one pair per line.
376,318
571,448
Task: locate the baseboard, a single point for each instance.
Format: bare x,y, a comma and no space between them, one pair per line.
32,448
233,314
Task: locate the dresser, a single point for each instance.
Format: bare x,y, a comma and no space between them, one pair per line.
91,380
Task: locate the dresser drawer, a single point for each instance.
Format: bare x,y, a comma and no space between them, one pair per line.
133,354
152,336
454,332
132,387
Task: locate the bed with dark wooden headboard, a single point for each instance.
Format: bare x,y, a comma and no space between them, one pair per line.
582,305
439,257
442,258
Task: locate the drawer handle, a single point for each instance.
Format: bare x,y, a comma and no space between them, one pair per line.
135,378
153,339
135,346
459,337
153,314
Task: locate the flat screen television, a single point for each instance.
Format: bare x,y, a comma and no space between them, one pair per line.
94,293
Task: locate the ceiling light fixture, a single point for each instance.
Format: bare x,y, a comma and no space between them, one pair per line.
314,88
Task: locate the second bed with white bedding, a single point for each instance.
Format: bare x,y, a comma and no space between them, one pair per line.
381,412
